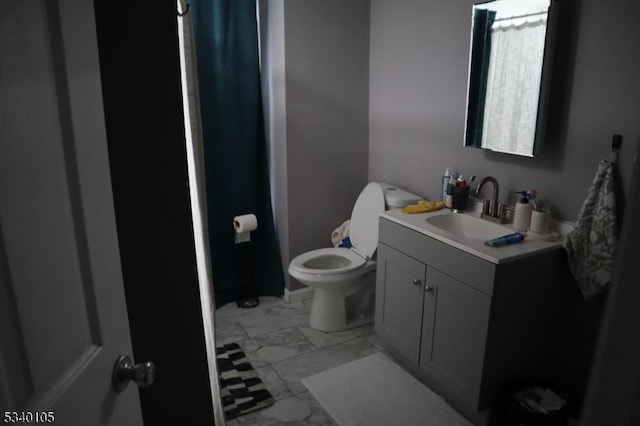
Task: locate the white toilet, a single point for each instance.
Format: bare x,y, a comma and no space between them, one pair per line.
344,279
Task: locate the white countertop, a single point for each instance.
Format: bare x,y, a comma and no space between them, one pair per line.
503,254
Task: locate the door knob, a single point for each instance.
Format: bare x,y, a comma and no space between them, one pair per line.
124,370
416,282
428,289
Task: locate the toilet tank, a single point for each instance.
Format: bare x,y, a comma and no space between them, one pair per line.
396,198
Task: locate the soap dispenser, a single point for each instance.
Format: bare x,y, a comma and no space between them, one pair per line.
522,214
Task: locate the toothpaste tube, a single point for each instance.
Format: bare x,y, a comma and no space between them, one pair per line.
506,239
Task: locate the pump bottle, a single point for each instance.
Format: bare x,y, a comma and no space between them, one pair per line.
522,214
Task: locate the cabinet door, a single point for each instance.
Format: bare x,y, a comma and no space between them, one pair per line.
453,335
399,296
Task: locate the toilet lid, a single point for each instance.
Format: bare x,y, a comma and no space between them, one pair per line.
363,229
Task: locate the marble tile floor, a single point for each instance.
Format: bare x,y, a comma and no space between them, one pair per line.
284,349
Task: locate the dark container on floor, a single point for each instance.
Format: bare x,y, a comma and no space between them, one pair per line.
244,273
510,411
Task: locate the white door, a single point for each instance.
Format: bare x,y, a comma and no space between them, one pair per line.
63,319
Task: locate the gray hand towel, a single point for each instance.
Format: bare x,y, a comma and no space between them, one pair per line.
592,244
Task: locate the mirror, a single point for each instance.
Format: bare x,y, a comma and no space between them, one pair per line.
508,75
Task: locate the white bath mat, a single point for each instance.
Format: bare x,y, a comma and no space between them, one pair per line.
374,391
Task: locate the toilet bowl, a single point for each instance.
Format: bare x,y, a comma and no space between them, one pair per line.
343,279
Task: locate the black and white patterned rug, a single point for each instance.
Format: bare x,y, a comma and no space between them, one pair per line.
241,389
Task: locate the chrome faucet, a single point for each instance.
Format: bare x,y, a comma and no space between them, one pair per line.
492,209
489,207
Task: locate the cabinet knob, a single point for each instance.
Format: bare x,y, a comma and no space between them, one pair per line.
416,282
428,289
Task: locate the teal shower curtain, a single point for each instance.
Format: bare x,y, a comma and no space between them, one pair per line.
235,151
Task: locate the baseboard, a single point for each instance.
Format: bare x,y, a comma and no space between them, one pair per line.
297,295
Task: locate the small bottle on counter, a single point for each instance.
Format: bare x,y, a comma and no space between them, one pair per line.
445,182
448,199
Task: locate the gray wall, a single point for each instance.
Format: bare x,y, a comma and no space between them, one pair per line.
418,75
614,389
404,63
319,129
271,15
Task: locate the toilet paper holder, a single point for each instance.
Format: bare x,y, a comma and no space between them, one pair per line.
243,225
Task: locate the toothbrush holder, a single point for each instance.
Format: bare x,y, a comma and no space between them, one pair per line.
540,221
460,199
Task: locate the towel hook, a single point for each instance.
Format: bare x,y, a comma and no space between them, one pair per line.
616,143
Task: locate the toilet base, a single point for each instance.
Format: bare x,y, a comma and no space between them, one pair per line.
344,308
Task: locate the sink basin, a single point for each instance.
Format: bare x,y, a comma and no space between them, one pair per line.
467,226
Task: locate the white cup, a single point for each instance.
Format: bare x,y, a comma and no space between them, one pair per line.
540,221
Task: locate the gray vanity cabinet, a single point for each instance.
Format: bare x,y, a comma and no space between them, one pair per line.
399,307
454,329
432,319
464,325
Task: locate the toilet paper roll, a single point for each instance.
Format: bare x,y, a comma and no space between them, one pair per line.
243,225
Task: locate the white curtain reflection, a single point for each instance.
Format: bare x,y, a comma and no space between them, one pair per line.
513,85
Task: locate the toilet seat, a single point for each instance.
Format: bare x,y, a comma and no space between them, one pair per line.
327,261
363,234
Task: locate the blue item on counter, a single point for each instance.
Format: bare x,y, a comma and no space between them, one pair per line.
506,239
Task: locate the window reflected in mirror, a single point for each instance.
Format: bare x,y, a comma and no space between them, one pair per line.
505,101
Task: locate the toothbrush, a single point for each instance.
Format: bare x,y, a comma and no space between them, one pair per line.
532,196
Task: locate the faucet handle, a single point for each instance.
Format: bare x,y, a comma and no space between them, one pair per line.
486,207
502,211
